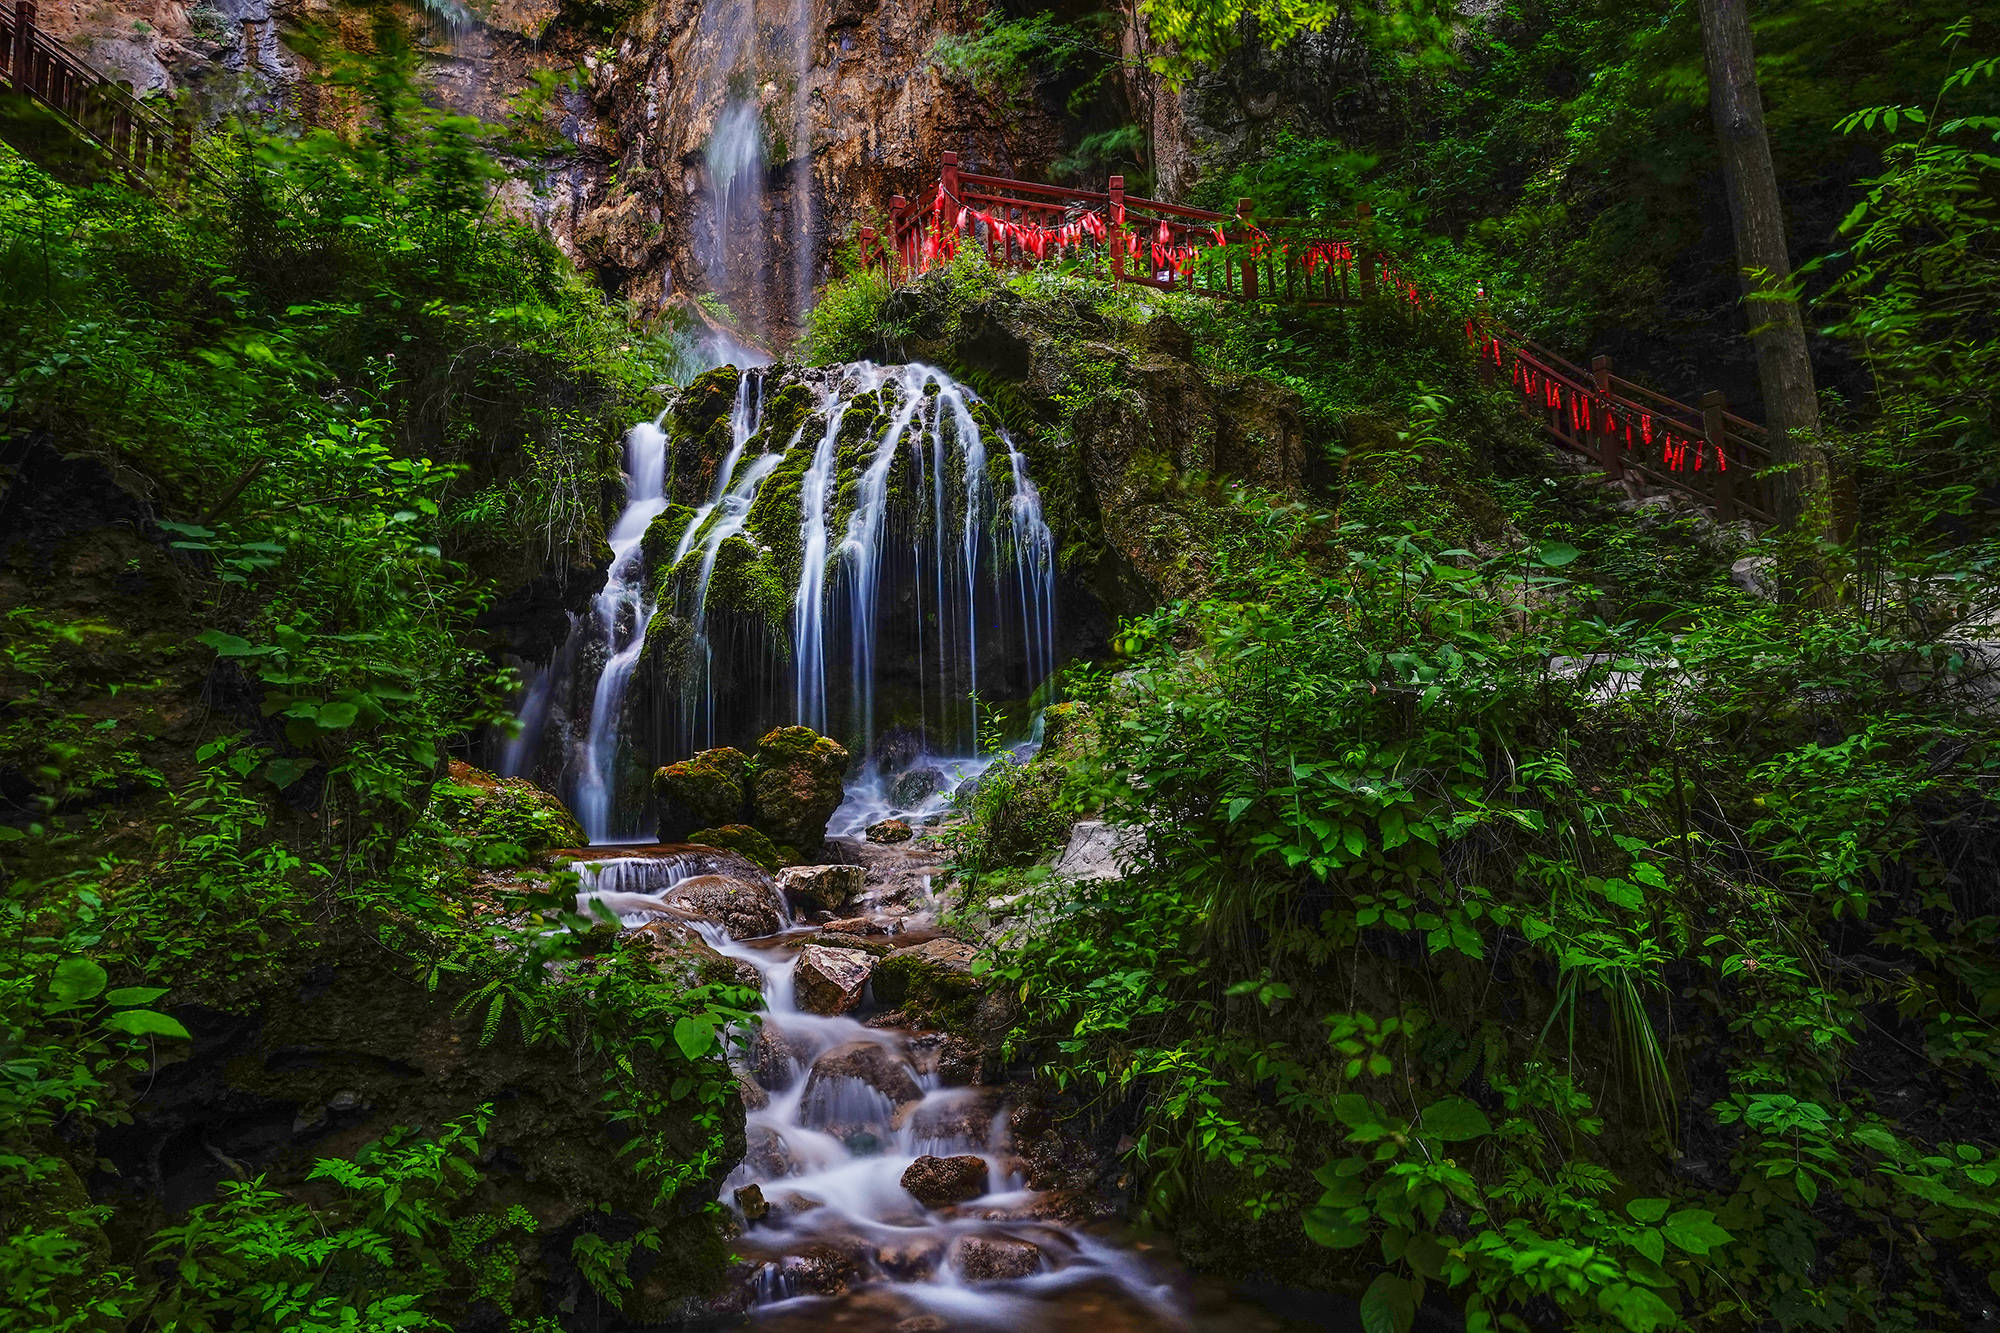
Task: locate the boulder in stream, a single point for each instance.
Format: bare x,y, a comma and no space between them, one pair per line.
798,785
845,1080
822,888
830,981
936,1182
746,842
994,1258
890,830
915,787
702,792
745,909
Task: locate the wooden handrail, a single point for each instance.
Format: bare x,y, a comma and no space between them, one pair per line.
1624,428
93,106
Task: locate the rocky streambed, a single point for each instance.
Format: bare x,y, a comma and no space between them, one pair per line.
891,1179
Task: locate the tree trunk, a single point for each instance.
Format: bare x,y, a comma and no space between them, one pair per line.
1784,369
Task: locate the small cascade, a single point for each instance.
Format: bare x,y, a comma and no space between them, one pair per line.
847,1108
623,611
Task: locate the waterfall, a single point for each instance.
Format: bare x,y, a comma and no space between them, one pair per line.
733,254
902,582
624,611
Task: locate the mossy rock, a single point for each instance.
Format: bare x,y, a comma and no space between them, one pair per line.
798,784
748,843
778,512
508,812
698,433
707,790
663,536
929,994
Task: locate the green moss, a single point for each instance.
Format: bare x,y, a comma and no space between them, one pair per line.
929,995
744,582
698,433
785,414
779,510
709,789
505,812
747,842
663,537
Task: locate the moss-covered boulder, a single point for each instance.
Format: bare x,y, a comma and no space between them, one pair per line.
505,812
748,843
708,790
798,785
663,538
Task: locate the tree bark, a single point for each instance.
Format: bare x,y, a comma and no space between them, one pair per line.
1784,368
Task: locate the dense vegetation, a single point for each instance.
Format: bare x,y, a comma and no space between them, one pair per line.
1523,916
362,405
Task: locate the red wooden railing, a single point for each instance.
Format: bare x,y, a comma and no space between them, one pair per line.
1624,428
144,144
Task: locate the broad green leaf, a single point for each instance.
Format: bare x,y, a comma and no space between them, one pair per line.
334,716
146,1023
1455,1119
125,995
1388,1306
1639,1310
229,645
1329,1227
694,1034
1557,554
1694,1230
1647,1210
77,979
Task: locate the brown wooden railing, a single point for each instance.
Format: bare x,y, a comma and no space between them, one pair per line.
1624,428
148,147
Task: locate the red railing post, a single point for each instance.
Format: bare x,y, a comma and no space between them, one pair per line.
897,206
1243,207
1715,428
1609,455
24,46
1117,230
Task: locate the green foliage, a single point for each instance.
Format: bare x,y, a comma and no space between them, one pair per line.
1429,853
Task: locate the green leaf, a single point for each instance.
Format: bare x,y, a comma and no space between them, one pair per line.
332,717
1651,1244
228,645
1454,1119
1557,554
125,995
1330,1227
1694,1230
694,1034
283,772
1637,1309
146,1023
1388,1306
1647,1210
77,979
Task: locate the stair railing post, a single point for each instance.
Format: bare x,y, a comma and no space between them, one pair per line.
1715,428
1116,233
24,46
1243,210
1609,456
1364,248
897,239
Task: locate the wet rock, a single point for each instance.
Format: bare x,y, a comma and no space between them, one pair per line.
944,953
1096,850
830,981
874,948
860,925
922,1323
1066,1207
915,787
798,785
960,1063
994,1258
912,1259
956,1120
819,1270
753,1094
670,943
743,909
751,1203
773,1059
795,1203
702,792
766,1153
825,888
937,1181
747,842
890,830
866,1067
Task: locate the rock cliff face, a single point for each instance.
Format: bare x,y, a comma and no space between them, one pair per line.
721,146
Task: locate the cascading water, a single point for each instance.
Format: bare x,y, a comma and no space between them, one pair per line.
917,578
623,610
733,250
